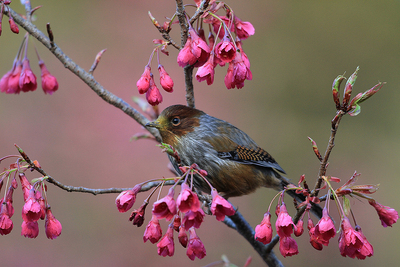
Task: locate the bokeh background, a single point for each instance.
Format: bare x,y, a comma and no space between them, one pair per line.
298,49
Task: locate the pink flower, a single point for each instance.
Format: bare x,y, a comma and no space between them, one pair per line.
182,237
366,250
225,50
153,231
220,206
13,80
52,225
49,82
126,199
187,200
27,80
165,207
195,50
195,246
299,229
193,218
137,216
237,73
284,224
166,245
243,29
6,224
185,56
264,230
153,95
387,215
31,208
143,84
350,241
199,48
30,229
13,26
325,228
288,246
166,82
206,72
314,238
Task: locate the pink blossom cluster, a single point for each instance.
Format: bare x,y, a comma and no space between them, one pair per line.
196,52
146,84
13,26
185,215
35,207
352,241
21,77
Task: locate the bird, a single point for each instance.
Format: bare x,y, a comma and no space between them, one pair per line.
234,163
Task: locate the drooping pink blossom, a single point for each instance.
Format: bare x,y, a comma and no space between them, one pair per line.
182,237
243,29
49,82
288,246
153,231
206,72
325,228
126,199
187,199
314,238
237,73
299,229
284,224
220,207
185,55
193,218
263,231
387,215
13,26
30,229
195,247
6,224
27,80
165,80
225,50
13,80
153,95
143,84
350,241
52,225
165,207
166,245
31,209
195,52
366,249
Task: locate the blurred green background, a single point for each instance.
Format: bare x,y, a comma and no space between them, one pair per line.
298,49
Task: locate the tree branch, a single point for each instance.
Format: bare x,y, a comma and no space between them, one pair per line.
265,251
81,73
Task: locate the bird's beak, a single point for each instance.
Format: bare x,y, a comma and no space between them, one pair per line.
153,124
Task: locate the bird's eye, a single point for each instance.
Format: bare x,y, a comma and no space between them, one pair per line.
176,121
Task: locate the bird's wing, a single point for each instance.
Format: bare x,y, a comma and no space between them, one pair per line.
258,157
233,144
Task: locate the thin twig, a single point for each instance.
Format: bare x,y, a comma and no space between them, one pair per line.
324,162
82,74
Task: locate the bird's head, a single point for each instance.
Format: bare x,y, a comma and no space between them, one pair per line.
175,122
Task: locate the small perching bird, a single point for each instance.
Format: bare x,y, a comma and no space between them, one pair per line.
235,164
